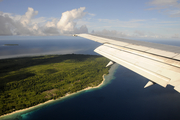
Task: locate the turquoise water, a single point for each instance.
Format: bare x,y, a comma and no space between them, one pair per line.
28,114
122,96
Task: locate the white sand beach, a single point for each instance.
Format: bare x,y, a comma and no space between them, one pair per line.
18,111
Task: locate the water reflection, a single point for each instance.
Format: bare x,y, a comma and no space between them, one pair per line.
46,47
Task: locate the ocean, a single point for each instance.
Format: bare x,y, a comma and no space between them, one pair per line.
122,96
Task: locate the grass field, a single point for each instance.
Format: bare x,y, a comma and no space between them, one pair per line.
28,81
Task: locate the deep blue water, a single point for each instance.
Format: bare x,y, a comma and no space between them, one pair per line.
121,97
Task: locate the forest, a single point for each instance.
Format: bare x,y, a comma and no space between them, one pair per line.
28,81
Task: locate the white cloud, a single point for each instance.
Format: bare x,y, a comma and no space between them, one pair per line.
143,34
8,26
165,2
137,20
53,23
135,34
67,22
134,27
91,14
26,19
139,33
169,7
50,31
82,29
113,33
28,25
175,13
40,20
134,23
176,36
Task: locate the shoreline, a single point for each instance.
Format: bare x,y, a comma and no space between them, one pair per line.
25,109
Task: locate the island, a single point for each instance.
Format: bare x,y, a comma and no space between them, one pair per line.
11,44
29,81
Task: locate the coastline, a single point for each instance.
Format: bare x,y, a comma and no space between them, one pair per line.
40,104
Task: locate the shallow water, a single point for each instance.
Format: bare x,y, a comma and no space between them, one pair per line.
122,96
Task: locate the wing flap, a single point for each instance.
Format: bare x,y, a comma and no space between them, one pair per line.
157,62
154,70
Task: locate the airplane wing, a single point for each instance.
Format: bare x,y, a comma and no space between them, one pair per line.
157,62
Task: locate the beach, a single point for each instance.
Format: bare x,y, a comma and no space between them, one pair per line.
52,100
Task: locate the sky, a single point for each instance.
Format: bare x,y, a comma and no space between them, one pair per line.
152,19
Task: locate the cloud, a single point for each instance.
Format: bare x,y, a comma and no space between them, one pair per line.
134,23
176,36
120,34
8,26
169,7
113,33
50,31
67,22
4,29
91,14
26,19
164,2
82,29
52,23
139,33
27,24
174,13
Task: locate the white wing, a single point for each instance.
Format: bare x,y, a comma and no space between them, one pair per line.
157,62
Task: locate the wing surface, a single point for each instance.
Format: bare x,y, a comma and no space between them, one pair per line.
157,62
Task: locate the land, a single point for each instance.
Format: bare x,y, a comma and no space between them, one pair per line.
29,81
11,44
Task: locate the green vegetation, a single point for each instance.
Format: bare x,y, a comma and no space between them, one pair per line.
28,81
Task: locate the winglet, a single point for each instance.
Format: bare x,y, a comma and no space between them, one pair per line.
148,84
